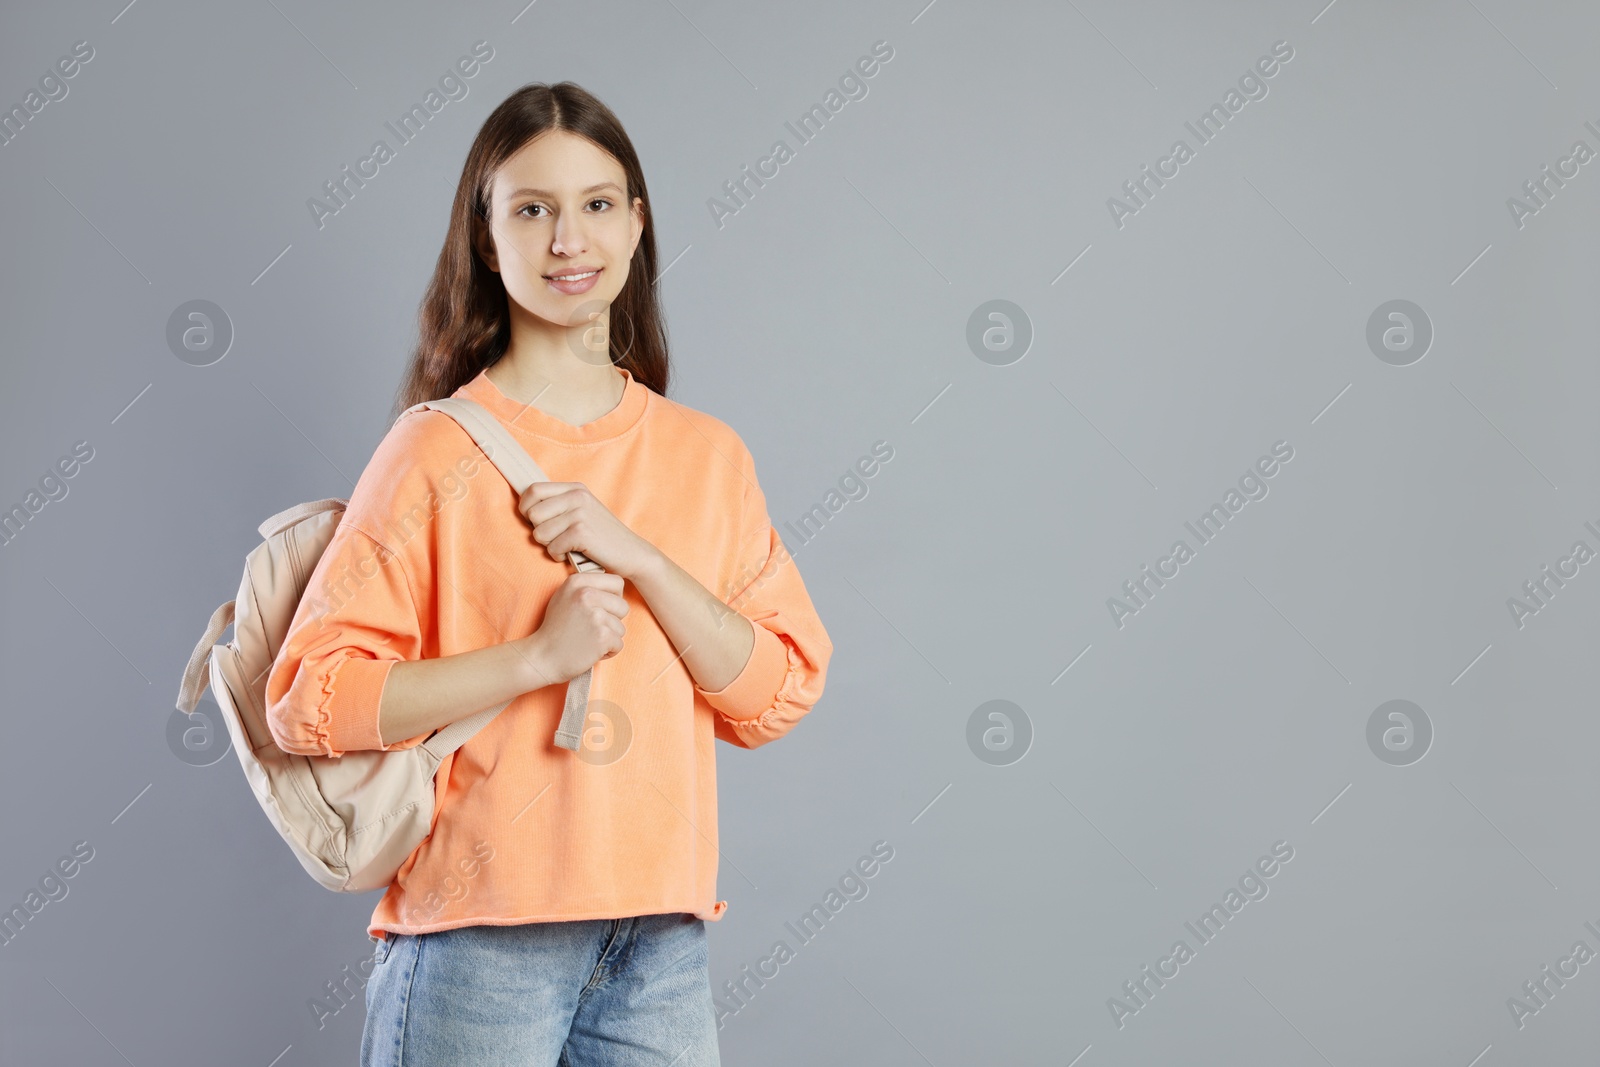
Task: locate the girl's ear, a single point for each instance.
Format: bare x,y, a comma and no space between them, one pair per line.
638,224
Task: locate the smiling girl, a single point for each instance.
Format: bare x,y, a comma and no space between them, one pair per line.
582,939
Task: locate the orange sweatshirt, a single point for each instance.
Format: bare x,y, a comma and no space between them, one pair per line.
433,558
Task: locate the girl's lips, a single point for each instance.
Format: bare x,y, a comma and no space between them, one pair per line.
582,285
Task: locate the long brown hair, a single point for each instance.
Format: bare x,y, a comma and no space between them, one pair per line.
464,322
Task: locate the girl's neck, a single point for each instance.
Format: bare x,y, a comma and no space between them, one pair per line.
564,386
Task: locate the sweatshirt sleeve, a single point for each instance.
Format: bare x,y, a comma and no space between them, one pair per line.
783,678
355,621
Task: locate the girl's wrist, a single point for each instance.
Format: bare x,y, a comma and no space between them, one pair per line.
530,665
649,567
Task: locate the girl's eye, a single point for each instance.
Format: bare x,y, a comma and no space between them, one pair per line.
526,207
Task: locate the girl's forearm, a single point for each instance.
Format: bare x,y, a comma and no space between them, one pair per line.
714,639
420,696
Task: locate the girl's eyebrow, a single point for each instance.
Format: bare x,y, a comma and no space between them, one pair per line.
544,192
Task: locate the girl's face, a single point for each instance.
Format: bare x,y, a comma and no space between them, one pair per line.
558,207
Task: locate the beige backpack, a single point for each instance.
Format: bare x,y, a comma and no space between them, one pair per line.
352,820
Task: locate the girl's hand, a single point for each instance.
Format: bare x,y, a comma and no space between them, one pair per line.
582,625
567,517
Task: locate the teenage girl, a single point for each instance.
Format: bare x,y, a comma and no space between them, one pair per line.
556,912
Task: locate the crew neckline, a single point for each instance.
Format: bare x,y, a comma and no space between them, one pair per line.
529,419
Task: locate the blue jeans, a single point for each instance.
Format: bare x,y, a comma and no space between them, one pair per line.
619,992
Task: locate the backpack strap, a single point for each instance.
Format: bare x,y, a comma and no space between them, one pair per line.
521,471
194,675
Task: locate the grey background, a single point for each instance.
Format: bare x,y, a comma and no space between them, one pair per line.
830,313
